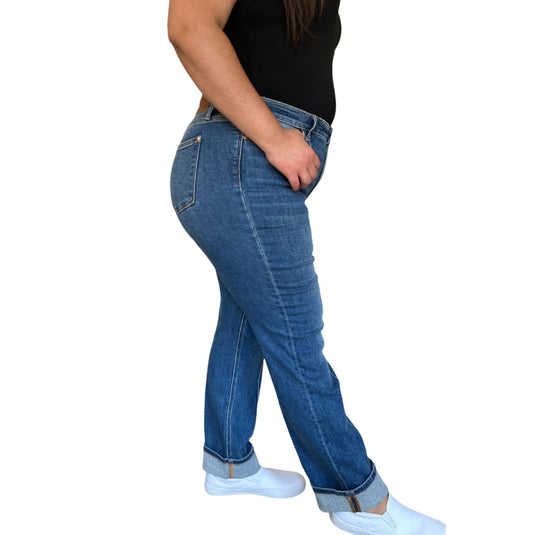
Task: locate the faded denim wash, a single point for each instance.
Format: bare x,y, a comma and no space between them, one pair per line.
255,230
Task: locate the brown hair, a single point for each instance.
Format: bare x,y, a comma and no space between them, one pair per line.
299,15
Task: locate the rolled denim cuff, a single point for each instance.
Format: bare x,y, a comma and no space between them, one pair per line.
371,493
230,468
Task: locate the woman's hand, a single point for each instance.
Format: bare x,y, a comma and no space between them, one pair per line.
293,157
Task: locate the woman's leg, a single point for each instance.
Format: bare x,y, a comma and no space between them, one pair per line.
232,387
256,232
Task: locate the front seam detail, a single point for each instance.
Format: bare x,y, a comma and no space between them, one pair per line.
232,384
301,376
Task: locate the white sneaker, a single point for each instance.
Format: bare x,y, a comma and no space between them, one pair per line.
396,520
266,482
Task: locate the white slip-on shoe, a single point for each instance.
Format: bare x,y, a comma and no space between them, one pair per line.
396,520
268,482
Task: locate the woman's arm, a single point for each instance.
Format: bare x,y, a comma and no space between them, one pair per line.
195,29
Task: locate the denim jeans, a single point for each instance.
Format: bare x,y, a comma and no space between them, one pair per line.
255,230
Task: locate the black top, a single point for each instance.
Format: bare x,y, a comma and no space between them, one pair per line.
257,30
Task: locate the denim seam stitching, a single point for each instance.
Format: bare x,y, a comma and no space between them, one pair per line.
234,461
233,385
301,376
215,119
196,168
275,103
238,160
186,143
295,125
260,377
221,118
361,488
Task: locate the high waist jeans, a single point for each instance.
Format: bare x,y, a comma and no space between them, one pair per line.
255,230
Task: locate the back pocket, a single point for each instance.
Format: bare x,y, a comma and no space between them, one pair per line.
184,174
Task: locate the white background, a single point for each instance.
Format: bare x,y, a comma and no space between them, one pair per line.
423,229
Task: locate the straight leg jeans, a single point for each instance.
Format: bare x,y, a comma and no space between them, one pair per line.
255,230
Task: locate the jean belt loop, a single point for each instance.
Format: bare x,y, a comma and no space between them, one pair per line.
209,111
312,129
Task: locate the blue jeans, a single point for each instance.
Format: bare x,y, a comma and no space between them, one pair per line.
255,230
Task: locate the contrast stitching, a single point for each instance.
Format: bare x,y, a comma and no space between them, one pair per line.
214,119
182,208
300,127
234,461
221,118
275,102
187,143
233,384
361,488
238,162
194,186
260,376
298,367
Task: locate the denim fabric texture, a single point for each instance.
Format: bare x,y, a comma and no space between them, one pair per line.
255,230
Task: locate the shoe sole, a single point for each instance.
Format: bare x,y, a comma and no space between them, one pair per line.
348,527
289,492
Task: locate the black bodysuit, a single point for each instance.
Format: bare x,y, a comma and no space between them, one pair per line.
257,30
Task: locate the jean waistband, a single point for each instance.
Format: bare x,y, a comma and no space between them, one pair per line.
286,112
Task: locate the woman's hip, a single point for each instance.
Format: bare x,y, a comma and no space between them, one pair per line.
216,164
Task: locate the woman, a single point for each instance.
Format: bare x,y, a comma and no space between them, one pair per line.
251,155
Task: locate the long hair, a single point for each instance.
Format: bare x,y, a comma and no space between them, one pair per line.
299,15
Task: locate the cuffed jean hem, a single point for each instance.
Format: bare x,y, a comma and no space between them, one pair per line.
230,468
371,493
